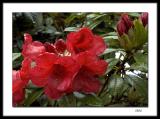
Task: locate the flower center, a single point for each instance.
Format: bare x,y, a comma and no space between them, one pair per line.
33,64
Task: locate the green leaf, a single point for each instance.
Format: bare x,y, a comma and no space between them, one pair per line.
43,100
95,16
74,17
123,104
90,100
106,38
140,33
71,29
94,24
139,90
33,96
16,60
67,101
133,14
141,62
125,42
110,50
20,43
78,95
109,34
106,99
112,41
15,56
117,86
112,62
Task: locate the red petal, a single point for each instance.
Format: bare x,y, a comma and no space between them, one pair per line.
71,69
79,41
53,93
98,45
17,83
86,57
121,28
127,21
97,67
144,18
18,96
17,87
60,45
25,70
61,78
32,49
85,82
50,47
42,68
90,61
27,38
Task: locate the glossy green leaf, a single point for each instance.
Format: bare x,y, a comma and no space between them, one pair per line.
71,29
112,62
112,41
110,50
141,62
134,14
78,95
140,33
15,56
67,101
33,96
117,86
139,89
90,100
94,24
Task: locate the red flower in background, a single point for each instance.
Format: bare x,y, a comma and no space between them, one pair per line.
17,88
124,24
85,40
144,18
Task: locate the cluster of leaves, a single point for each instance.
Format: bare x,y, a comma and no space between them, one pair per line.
125,82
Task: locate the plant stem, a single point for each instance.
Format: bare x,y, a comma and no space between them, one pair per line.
119,64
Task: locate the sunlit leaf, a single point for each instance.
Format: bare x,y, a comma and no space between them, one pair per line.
109,50
71,29
15,56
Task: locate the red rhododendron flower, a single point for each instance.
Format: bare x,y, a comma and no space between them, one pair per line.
31,48
54,73
61,75
92,67
124,24
84,40
17,88
144,18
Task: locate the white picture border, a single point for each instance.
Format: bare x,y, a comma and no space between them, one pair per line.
9,8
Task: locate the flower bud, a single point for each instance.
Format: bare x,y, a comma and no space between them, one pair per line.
124,24
144,18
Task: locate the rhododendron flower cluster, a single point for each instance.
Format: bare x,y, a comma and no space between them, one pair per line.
61,67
